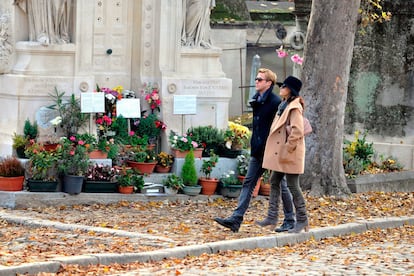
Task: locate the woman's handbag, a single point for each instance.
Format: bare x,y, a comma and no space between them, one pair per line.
307,128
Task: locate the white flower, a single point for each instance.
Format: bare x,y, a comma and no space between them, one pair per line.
228,144
56,121
110,97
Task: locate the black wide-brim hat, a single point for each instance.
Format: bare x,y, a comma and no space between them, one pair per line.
293,83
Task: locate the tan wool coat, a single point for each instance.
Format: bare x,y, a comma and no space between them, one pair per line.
286,153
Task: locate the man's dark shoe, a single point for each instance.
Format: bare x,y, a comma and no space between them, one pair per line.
229,223
286,226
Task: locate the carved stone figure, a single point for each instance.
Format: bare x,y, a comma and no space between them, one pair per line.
5,45
196,23
49,20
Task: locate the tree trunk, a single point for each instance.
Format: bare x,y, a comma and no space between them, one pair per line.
327,61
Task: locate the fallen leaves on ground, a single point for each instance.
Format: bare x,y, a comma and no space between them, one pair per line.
184,222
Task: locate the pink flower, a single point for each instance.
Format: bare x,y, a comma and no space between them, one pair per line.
72,152
131,133
281,53
80,142
194,144
297,59
72,138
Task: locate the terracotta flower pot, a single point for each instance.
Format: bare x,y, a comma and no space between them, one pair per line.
98,154
198,153
143,168
162,169
11,184
208,185
264,189
126,189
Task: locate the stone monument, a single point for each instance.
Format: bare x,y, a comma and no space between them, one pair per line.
126,43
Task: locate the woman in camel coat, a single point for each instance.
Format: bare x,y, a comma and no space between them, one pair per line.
285,154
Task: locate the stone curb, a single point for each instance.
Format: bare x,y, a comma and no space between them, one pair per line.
209,248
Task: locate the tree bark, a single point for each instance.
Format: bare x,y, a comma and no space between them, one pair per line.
327,61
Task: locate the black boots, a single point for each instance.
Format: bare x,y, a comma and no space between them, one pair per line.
230,223
286,226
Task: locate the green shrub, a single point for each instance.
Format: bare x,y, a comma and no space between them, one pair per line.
359,150
30,130
189,172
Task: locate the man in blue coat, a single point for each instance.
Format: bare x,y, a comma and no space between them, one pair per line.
264,104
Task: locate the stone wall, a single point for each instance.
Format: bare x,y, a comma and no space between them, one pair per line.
381,89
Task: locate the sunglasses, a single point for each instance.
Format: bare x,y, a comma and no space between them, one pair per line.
283,86
259,79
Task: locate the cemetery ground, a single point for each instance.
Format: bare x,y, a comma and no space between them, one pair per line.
42,234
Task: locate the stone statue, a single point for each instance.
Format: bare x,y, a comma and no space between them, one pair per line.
196,23
5,45
49,20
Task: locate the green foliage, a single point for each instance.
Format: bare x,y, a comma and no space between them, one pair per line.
229,178
391,164
128,177
174,182
148,126
143,156
266,176
120,126
371,12
360,149
243,164
181,143
352,165
19,141
30,130
209,164
74,157
42,163
70,112
188,171
11,167
208,137
90,141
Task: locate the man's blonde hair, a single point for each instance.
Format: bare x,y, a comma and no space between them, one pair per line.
269,74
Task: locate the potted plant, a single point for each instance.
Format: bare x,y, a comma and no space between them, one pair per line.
181,145
231,186
208,137
11,174
164,162
101,179
69,111
265,183
142,159
73,164
19,144
189,175
172,184
209,184
30,130
129,181
42,168
236,138
149,126
242,167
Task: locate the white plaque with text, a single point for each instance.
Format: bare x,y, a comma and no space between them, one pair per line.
185,104
92,102
128,108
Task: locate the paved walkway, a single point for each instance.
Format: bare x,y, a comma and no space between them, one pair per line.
359,259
